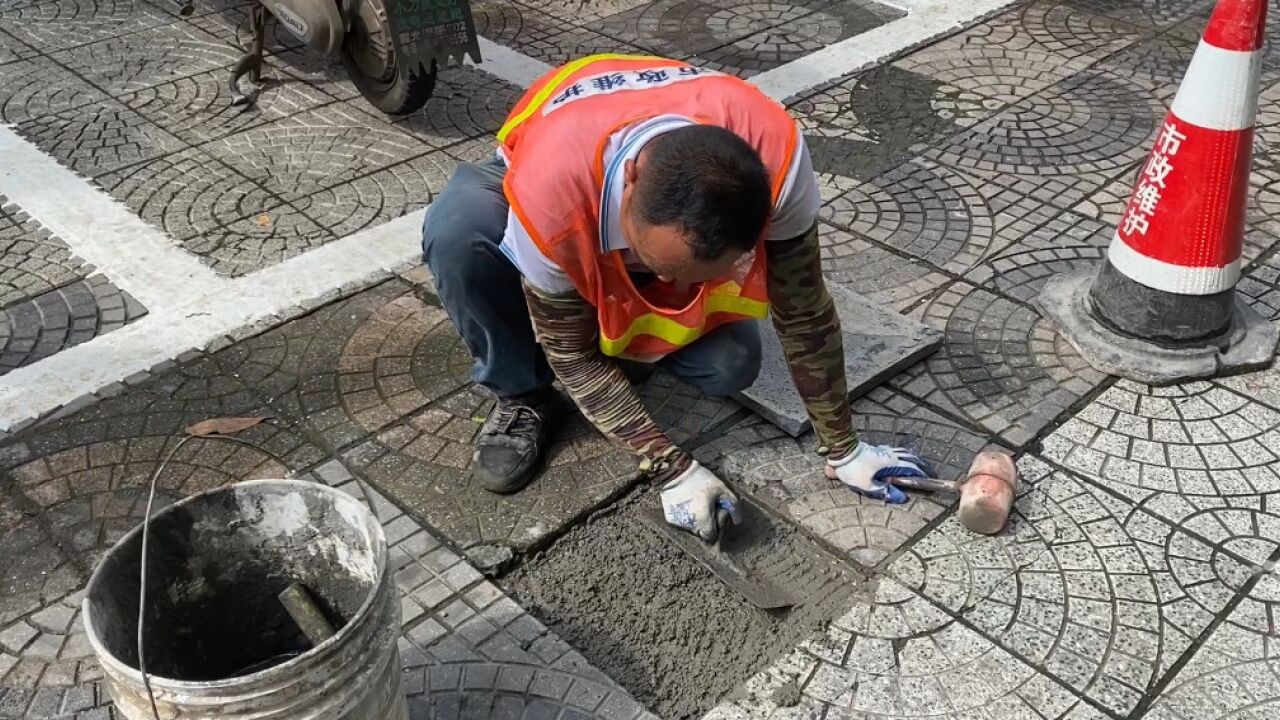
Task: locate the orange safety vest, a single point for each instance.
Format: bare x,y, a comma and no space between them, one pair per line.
554,142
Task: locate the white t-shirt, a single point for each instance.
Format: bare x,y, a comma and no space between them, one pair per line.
795,213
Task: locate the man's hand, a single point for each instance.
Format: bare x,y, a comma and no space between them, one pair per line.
868,468
696,500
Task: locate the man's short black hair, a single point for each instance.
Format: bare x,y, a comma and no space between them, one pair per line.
708,181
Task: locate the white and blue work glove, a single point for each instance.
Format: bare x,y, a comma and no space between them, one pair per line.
699,502
868,468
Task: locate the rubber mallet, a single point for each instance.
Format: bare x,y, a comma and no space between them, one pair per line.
986,493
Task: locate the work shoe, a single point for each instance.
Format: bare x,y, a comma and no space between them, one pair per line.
514,440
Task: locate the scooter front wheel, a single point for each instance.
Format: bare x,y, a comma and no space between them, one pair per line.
369,56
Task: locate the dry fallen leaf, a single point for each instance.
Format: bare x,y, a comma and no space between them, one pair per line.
264,220
223,426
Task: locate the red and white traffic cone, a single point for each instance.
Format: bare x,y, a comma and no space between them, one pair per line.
1162,308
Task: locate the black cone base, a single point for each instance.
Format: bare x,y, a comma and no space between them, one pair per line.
1248,342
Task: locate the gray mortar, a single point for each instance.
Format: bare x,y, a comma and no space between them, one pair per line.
661,625
787,695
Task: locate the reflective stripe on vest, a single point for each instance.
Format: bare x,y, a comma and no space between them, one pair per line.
677,335
550,88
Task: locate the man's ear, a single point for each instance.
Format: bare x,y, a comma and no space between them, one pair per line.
629,172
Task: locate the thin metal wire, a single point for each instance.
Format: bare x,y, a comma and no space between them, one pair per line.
146,538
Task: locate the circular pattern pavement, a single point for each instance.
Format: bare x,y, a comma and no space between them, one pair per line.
1103,596
896,655
788,474
1175,450
1001,365
1090,124
920,209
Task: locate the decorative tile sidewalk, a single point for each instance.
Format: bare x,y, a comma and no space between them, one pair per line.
1201,456
1085,607
788,474
50,300
468,650
1137,578
896,655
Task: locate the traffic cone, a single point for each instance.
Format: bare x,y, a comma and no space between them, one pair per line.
1163,308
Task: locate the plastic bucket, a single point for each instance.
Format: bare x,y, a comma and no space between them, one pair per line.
219,644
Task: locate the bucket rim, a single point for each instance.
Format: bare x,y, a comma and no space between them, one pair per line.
117,666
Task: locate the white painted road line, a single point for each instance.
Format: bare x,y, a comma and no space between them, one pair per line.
135,256
201,317
923,22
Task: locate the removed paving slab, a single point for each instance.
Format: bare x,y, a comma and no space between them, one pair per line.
660,624
878,343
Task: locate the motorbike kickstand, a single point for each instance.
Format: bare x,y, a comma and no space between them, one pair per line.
251,63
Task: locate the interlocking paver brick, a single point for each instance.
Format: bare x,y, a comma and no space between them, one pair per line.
685,414
41,641
100,138
188,193
295,156
386,377
588,13
1201,455
13,49
1102,596
198,108
147,58
1067,242
32,260
1001,365
1146,13
1267,126
58,319
780,32
927,211
39,86
85,476
788,474
384,195
267,238
895,655
356,366
64,24
425,463
317,71
539,35
859,127
873,272
1236,672
1087,129
231,24
1260,287
743,38
90,469
460,661
1016,55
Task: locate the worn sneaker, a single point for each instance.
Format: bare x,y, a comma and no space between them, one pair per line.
514,440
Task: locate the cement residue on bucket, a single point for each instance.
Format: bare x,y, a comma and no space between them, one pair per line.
219,642
660,624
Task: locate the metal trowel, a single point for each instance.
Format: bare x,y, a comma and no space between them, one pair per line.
728,557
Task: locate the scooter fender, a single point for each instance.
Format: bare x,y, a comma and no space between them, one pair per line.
428,33
317,23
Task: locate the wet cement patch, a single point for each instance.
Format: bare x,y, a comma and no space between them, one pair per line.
660,624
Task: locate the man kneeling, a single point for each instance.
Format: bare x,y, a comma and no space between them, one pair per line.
642,210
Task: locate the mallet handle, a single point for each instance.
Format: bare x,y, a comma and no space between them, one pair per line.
928,484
